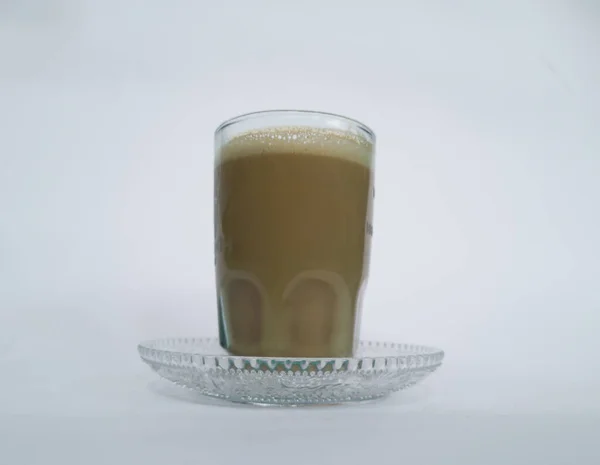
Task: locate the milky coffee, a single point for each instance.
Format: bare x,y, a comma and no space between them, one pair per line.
292,240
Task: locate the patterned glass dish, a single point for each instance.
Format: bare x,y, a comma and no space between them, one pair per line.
378,369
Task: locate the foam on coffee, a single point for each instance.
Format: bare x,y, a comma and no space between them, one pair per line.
299,140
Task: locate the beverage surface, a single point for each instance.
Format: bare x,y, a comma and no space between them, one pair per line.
292,240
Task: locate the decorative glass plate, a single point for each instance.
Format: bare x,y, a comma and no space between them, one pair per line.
378,369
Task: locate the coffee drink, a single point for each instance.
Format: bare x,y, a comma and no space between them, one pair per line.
292,240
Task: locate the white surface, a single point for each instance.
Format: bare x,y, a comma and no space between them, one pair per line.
486,222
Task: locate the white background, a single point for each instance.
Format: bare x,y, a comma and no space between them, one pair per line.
486,221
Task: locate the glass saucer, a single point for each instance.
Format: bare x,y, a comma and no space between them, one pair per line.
378,369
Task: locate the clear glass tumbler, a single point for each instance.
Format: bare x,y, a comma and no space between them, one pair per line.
293,209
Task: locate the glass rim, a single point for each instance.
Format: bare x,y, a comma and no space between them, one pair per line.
256,114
